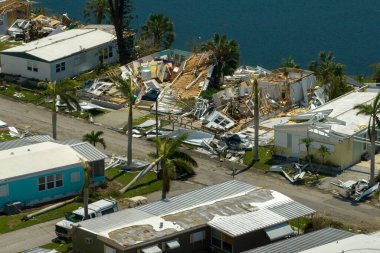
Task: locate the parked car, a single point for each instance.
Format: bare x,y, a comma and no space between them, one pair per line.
63,228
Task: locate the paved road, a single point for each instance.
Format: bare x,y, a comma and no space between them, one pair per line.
209,172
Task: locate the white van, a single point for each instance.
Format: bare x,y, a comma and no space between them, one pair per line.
99,208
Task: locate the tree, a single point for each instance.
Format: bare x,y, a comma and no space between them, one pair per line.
289,63
307,141
331,74
97,8
86,187
323,151
95,138
371,110
159,30
120,13
65,91
226,56
172,161
126,87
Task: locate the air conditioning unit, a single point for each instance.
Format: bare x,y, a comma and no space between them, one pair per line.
13,208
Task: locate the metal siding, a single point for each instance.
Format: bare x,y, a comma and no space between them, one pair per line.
304,242
26,191
24,142
89,152
197,197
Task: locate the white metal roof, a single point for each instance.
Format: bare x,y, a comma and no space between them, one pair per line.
32,159
357,243
343,110
63,44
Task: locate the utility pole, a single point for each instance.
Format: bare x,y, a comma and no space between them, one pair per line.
256,119
157,151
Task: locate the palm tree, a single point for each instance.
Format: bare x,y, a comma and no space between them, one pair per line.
97,8
160,30
86,187
226,56
289,63
170,160
371,110
128,90
120,14
65,91
307,141
323,151
94,138
330,73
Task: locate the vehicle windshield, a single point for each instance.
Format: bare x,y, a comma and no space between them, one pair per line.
73,217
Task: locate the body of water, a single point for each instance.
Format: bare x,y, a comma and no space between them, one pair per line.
268,30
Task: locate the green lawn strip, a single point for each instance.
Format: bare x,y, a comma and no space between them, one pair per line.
61,246
147,184
5,136
9,44
27,96
14,222
265,158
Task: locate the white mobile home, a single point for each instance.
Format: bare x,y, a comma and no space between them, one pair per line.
61,55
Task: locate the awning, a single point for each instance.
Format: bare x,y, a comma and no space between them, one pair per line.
278,231
152,249
173,244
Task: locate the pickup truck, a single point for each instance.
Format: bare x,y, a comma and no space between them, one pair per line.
63,228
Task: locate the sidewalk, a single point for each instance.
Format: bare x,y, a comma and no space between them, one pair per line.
28,238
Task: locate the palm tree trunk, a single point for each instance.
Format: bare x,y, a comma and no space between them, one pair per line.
256,119
142,173
130,129
165,182
54,118
86,189
373,152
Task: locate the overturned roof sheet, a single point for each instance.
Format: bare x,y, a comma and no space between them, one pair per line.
195,72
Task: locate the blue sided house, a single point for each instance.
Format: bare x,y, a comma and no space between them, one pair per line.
34,171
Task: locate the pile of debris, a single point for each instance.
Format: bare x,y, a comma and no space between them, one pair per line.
357,189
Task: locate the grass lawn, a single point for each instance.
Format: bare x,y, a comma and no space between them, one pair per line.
147,184
14,222
27,96
5,136
9,44
265,158
61,246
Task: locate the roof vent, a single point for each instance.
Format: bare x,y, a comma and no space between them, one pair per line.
12,153
161,224
28,149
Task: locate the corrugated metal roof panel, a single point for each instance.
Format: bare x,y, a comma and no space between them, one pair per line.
69,141
115,220
40,250
279,231
24,142
240,224
89,152
270,215
197,197
304,242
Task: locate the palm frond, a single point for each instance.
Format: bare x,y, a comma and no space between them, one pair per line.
183,166
184,156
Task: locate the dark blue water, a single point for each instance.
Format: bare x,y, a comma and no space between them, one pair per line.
269,30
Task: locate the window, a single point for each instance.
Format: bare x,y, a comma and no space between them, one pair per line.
60,67
58,180
41,184
32,66
216,238
110,52
108,249
75,177
289,140
4,191
198,236
50,182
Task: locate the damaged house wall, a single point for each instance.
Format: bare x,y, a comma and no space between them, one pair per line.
11,10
